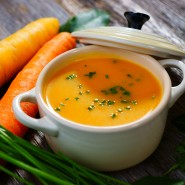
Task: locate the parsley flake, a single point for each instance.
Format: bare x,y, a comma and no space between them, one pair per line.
113,115
77,98
106,76
91,107
71,76
90,74
57,109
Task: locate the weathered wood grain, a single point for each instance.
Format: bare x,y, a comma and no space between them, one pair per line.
167,19
15,14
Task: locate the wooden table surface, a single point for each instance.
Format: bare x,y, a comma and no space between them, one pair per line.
167,18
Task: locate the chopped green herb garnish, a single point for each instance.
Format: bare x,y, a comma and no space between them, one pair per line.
80,93
77,98
121,88
106,76
134,102
113,90
70,77
127,93
87,92
80,86
103,102
66,98
57,109
109,102
113,115
62,104
90,74
91,107
125,101
96,100
120,110
128,108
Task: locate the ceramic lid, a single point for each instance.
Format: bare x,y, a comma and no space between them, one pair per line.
130,39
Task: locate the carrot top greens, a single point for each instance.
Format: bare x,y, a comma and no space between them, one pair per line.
89,19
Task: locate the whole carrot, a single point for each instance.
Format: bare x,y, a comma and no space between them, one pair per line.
26,80
17,49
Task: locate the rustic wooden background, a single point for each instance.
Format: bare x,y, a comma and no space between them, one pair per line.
167,18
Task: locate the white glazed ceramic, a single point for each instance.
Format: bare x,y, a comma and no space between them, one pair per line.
103,148
130,39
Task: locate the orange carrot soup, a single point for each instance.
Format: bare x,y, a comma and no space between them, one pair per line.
103,92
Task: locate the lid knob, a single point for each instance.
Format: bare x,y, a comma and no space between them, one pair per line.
136,20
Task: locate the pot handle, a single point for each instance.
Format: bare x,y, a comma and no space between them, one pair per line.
136,20
178,90
43,124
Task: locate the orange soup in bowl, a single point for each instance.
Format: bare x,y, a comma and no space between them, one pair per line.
103,92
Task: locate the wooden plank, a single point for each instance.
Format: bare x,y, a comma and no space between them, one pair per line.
165,17
17,13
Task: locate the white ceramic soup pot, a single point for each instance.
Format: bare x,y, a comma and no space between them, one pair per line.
103,148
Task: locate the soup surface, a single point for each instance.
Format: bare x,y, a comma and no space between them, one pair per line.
103,92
